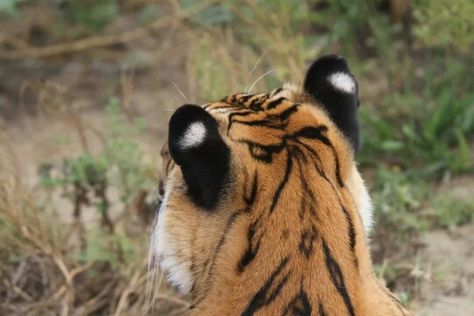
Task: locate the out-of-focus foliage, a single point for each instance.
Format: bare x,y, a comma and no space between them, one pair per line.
433,134
8,7
444,23
92,14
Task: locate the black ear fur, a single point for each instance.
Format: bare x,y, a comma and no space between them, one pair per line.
330,82
204,158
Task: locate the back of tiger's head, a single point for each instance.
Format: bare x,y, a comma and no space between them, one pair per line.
264,210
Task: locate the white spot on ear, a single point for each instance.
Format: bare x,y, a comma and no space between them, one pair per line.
342,82
194,136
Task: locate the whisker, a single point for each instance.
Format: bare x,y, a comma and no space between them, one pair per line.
258,79
256,63
154,273
180,92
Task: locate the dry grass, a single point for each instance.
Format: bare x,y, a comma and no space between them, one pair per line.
43,268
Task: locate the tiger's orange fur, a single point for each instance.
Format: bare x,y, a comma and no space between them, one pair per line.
287,236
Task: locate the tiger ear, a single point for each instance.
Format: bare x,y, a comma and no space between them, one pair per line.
197,147
330,82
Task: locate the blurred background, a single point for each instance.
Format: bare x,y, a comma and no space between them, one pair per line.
87,88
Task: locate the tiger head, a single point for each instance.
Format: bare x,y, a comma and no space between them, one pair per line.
262,198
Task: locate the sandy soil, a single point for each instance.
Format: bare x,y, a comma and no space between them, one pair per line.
449,261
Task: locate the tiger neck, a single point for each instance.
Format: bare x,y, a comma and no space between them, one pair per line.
266,263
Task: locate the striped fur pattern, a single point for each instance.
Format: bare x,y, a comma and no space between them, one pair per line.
286,236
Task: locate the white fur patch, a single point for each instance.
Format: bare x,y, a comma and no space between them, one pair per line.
194,136
164,249
362,199
342,82
366,211
289,91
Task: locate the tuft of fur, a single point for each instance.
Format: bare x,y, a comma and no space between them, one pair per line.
194,136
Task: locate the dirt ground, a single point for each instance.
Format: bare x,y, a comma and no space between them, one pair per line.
448,264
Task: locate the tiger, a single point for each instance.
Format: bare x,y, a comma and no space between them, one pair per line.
264,211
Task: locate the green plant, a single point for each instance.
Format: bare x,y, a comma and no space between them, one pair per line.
213,15
446,211
9,7
397,203
123,152
399,221
444,23
87,179
430,133
117,250
93,15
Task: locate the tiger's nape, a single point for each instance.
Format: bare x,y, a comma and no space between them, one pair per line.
264,211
